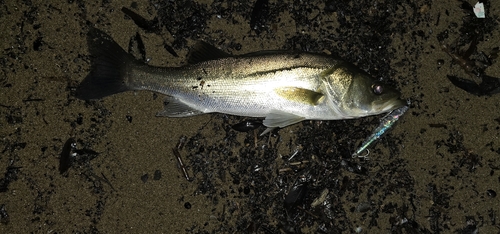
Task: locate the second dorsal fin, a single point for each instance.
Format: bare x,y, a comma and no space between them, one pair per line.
203,51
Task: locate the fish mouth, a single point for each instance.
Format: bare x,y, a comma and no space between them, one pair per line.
387,106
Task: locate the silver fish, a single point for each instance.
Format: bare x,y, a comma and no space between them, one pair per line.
284,87
386,123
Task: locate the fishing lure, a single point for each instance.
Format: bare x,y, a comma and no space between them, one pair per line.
385,124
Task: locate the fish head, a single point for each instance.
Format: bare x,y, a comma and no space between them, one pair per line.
360,94
369,97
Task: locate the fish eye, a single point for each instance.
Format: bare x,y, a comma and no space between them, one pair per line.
377,89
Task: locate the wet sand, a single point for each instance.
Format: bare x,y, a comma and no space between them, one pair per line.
436,171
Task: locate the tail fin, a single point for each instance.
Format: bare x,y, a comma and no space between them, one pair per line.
109,67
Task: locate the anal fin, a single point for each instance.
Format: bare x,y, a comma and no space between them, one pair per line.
176,108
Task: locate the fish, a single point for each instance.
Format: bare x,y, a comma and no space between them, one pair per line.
385,125
283,87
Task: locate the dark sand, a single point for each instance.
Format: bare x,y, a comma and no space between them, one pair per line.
436,172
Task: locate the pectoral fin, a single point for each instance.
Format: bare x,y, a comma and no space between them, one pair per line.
176,108
300,95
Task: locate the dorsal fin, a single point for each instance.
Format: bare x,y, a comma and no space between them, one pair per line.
203,51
